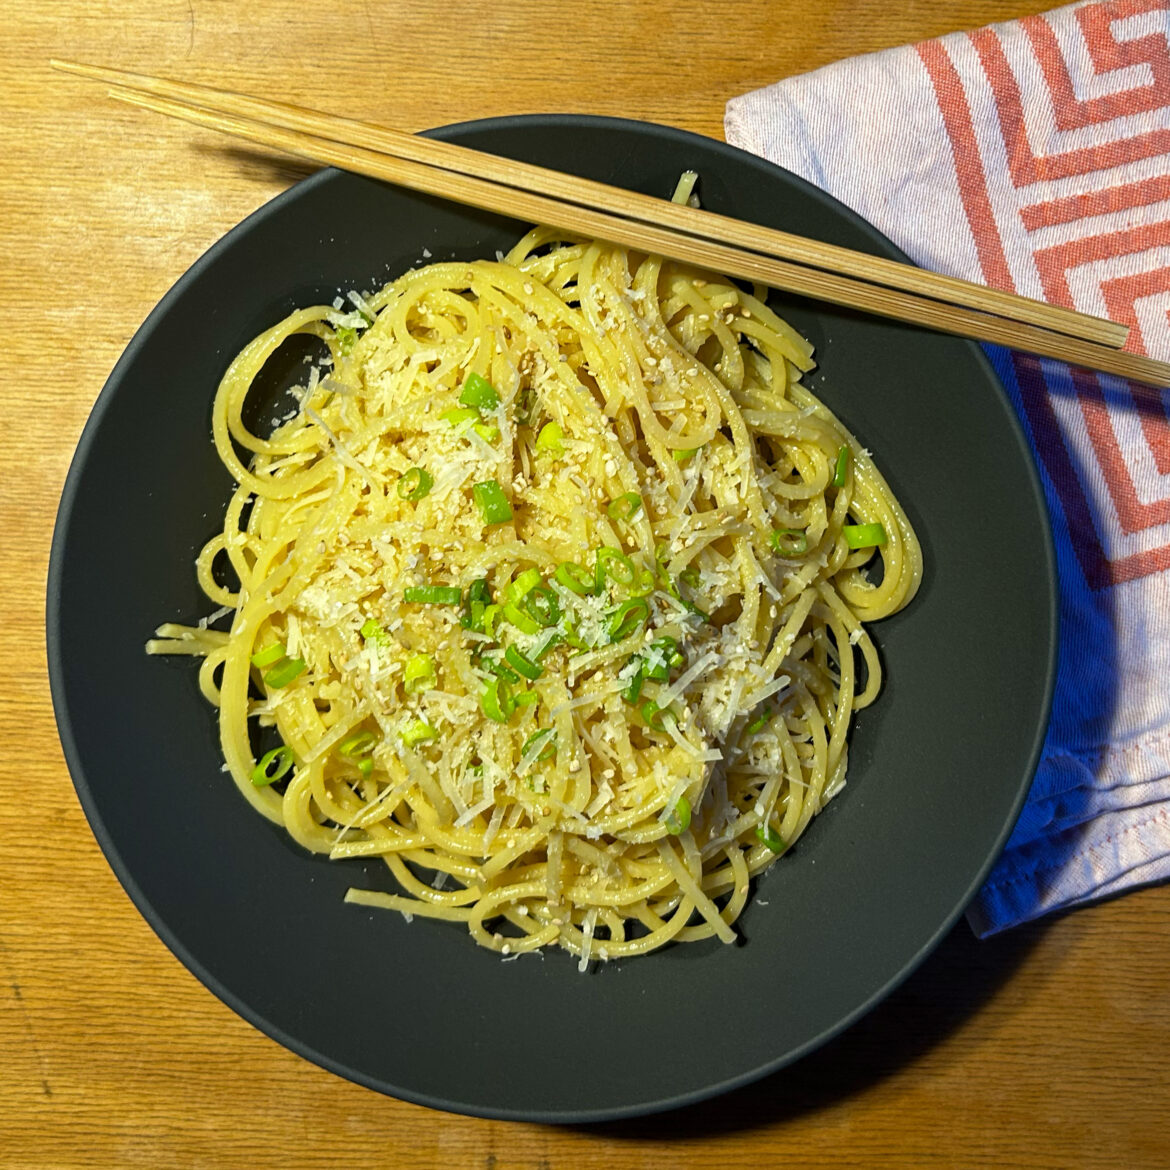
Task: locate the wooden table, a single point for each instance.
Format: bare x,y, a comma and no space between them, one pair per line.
1046,1047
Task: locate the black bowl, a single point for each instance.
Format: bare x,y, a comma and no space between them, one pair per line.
938,766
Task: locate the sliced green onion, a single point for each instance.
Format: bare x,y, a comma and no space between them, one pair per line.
523,663
357,745
542,606
272,766
629,616
486,431
654,716
551,638
690,576
460,415
625,507
682,455
419,674
548,750
575,578
633,688
282,675
479,392
479,596
346,337
268,655
789,542
433,594
365,765
842,471
664,655
550,438
525,698
771,838
864,535
679,819
417,731
415,483
645,584
372,631
520,620
525,583
496,701
495,666
612,562
490,614
492,503
760,721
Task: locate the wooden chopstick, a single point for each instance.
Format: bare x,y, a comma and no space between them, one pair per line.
527,205
627,204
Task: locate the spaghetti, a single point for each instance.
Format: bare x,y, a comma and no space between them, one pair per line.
550,594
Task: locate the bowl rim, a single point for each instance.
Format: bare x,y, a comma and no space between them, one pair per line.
73,757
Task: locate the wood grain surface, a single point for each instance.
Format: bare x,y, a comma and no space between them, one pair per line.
1046,1047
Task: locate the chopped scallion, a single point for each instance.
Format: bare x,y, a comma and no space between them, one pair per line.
525,624
284,673
372,632
542,606
662,657
760,721
771,838
525,698
433,594
272,766
496,701
268,655
489,432
523,663
629,616
655,717
480,591
359,744
419,674
492,503
842,470
416,731
415,483
789,542
479,392
612,562
575,578
864,535
550,438
625,507
525,583
547,737
679,818
495,666
633,688
460,415
681,455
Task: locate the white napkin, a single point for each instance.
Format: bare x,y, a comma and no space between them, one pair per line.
1035,156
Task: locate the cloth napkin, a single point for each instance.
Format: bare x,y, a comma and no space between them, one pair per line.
1035,156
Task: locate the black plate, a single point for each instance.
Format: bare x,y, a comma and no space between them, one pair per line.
938,767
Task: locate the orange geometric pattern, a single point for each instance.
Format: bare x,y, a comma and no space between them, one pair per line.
1082,122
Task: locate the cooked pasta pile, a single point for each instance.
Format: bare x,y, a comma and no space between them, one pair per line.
550,594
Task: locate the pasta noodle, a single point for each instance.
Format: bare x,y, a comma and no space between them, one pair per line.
550,594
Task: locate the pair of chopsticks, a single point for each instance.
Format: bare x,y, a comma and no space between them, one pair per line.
520,190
